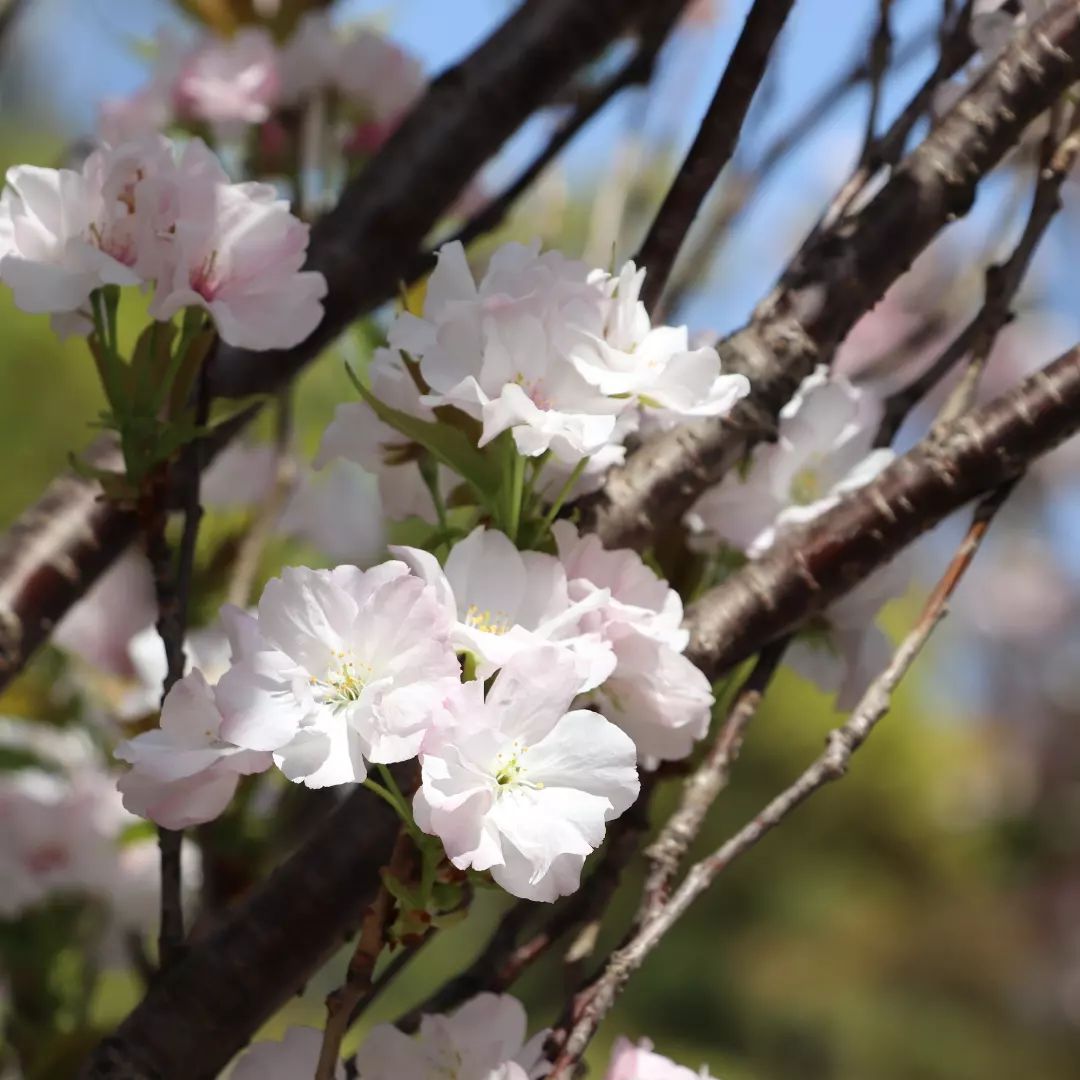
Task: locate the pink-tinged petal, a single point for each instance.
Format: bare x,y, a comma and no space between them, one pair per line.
183,803
259,708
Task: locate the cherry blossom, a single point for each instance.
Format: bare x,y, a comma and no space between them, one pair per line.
641,1062
61,820
482,1040
293,1058
356,434
654,694
499,351
631,356
504,601
338,667
515,784
823,450
230,82
183,773
553,352
238,253
140,214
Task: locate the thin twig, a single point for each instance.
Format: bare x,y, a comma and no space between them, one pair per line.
1059,152
340,1003
667,851
956,48
713,146
593,1002
246,566
172,587
880,57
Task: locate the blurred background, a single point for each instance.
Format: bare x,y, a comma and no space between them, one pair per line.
919,920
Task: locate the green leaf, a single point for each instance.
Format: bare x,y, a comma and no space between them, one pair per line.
447,444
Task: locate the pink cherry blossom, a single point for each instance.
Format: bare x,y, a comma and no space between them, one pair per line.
338,667
230,82
183,773
238,253
482,1040
515,784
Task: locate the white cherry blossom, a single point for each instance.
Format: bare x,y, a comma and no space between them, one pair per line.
631,356
183,773
641,1062
293,1058
823,450
339,667
503,602
499,350
482,1040
515,784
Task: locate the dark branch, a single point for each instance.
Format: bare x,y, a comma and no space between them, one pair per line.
839,275
714,145
208,1005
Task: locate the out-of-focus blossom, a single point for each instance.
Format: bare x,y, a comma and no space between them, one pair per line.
183,773
293,1058
823,450
339,667
553,352
641,1062
230,82
356,434
503,602
515,784
482,1040
61,825
100,627
843,650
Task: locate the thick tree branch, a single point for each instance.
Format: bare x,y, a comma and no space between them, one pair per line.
594,1001
208,1005
802,575
713,146
838,276
364,247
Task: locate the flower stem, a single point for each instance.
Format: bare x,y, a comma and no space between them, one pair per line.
564,494
517,492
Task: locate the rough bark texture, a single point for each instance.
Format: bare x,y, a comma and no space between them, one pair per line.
802,576
839,275
206,1007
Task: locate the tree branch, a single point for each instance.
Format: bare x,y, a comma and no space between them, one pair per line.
837,277
714,145
802,575
593,1003
208,1005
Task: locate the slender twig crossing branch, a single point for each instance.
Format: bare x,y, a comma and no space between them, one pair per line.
592,1003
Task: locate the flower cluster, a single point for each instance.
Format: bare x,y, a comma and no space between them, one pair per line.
484,1039
231,83
61,825
824,449
146,214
